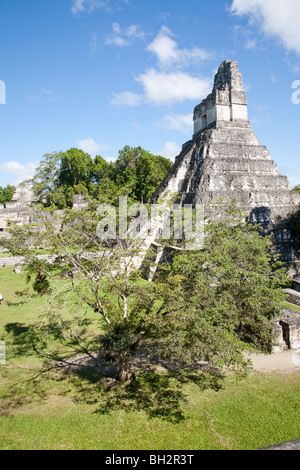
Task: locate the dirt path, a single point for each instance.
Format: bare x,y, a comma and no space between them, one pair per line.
286,361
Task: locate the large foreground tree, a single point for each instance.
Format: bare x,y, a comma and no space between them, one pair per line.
232,287
205,305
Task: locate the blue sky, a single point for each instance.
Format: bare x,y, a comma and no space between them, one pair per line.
102,74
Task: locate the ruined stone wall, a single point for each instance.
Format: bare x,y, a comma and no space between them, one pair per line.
18,211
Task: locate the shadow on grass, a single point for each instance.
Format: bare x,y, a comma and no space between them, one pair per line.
19,389
21,339
158,392
24,297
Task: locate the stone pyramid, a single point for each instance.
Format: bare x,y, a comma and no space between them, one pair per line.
226,160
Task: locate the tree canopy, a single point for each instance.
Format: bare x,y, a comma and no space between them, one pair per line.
139,172
135,173
297,188
6,194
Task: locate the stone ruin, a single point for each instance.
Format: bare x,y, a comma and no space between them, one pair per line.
18,211
80,202
225,160
287,329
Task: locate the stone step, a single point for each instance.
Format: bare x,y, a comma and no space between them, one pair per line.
293,297
234,136
242,165
245,152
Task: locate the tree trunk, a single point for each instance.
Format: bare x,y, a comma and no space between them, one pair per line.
123,372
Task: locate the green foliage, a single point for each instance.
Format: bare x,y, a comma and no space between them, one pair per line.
102,169
232,288
69,194
136,173
297,188
76,167
41,284
119,340
58,198
6,194
46,178
81,189
140,172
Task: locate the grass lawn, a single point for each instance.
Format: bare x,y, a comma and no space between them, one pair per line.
157,412
292,306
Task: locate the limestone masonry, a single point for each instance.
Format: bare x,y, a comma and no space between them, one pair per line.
18,211
226,160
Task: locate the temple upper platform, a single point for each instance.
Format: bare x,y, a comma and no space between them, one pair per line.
227,103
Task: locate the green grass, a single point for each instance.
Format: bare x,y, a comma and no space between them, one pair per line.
5,254
292,306
14,307
158,412
261,410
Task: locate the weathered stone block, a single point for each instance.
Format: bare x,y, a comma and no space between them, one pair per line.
287,329
293,296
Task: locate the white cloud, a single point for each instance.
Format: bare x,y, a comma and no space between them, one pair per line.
93,45
110,159
166,84
170,150
89,146
278,18
273,78
160,88
127,98
46,91
251,44
167,88
123,36
179,122
247,86
80,6
88,6
45,94
19,172
168,52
